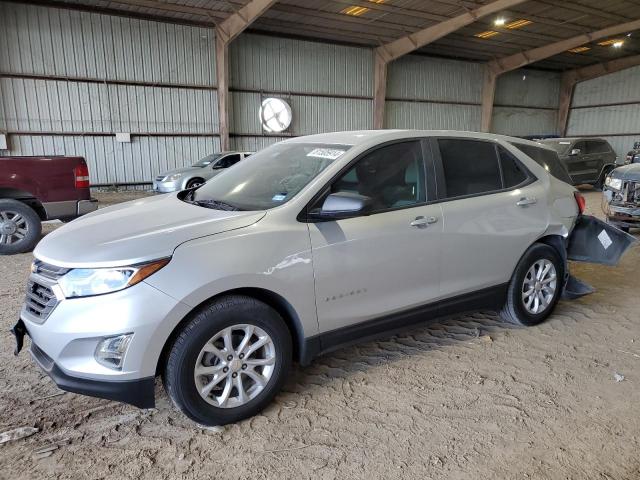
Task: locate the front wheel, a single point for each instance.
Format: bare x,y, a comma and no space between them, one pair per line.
194,182
535,286
229,361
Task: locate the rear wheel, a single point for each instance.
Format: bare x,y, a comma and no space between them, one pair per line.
229,361
20,227
535,286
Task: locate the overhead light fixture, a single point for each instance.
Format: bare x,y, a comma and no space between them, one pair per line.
487,34
354,11
518,24
611,41
579,49
618,44
377,1
499,22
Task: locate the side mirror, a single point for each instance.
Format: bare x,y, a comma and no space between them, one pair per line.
575,151
342,205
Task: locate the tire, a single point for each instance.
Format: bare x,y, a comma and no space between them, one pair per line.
20,227
235,313
194,182
515,309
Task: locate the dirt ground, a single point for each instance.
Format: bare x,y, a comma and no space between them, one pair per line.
465,398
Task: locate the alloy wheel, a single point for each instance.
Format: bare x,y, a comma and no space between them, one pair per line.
234,366
13,227
539,286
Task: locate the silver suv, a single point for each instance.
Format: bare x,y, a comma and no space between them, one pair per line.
310,244
198,173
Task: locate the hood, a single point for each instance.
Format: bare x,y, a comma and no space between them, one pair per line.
628,172
135,232
180,170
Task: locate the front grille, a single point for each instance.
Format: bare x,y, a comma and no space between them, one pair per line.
40,299
632,192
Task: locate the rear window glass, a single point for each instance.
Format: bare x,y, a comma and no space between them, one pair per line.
547,159
470,167
513,173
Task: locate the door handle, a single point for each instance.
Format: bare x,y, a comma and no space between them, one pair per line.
524,201
421,222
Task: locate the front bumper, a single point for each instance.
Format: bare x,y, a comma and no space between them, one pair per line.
64,343
139,393
166,187
624,216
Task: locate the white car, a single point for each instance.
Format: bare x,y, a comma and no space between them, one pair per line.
309,244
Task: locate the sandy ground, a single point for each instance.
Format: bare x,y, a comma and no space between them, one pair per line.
465,398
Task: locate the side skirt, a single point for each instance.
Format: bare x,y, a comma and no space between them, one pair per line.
488,298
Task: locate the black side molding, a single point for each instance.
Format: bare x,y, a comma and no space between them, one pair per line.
489,298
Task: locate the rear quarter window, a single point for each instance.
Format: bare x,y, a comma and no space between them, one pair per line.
547,159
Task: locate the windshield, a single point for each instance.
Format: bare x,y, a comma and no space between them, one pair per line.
560,146
203,162
267,179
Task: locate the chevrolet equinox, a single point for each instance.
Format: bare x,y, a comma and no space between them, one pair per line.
309,244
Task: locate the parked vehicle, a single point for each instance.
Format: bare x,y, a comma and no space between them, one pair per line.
587,160
622,197
633,156
34,189
198,173
312,243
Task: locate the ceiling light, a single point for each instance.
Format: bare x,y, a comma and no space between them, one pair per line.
487,34
579,49
377,1
611,41
499,22
354,11
518,24
618,44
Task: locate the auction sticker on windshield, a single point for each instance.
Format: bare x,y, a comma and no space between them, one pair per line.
328,153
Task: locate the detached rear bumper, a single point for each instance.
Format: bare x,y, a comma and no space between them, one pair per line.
594,241
139,393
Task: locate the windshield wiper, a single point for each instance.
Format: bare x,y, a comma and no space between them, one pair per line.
217,204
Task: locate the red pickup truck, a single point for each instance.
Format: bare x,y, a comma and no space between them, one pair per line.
34,189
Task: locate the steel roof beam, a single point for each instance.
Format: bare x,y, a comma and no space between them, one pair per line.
402,46
572,77
226,31
512,62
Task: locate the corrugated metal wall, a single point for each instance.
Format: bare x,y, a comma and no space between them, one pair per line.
70,80
526,103
609,107
433,93
328,87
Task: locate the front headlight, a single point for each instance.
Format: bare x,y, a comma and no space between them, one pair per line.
614,183
84,282
173,178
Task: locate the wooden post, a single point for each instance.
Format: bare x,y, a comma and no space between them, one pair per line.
379,90
488,95
566,95
222,77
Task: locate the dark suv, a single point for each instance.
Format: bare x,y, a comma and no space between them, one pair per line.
587,160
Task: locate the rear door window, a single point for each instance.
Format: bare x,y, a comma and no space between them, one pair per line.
548,159
470,167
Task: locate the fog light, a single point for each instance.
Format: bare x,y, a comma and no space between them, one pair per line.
111,351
